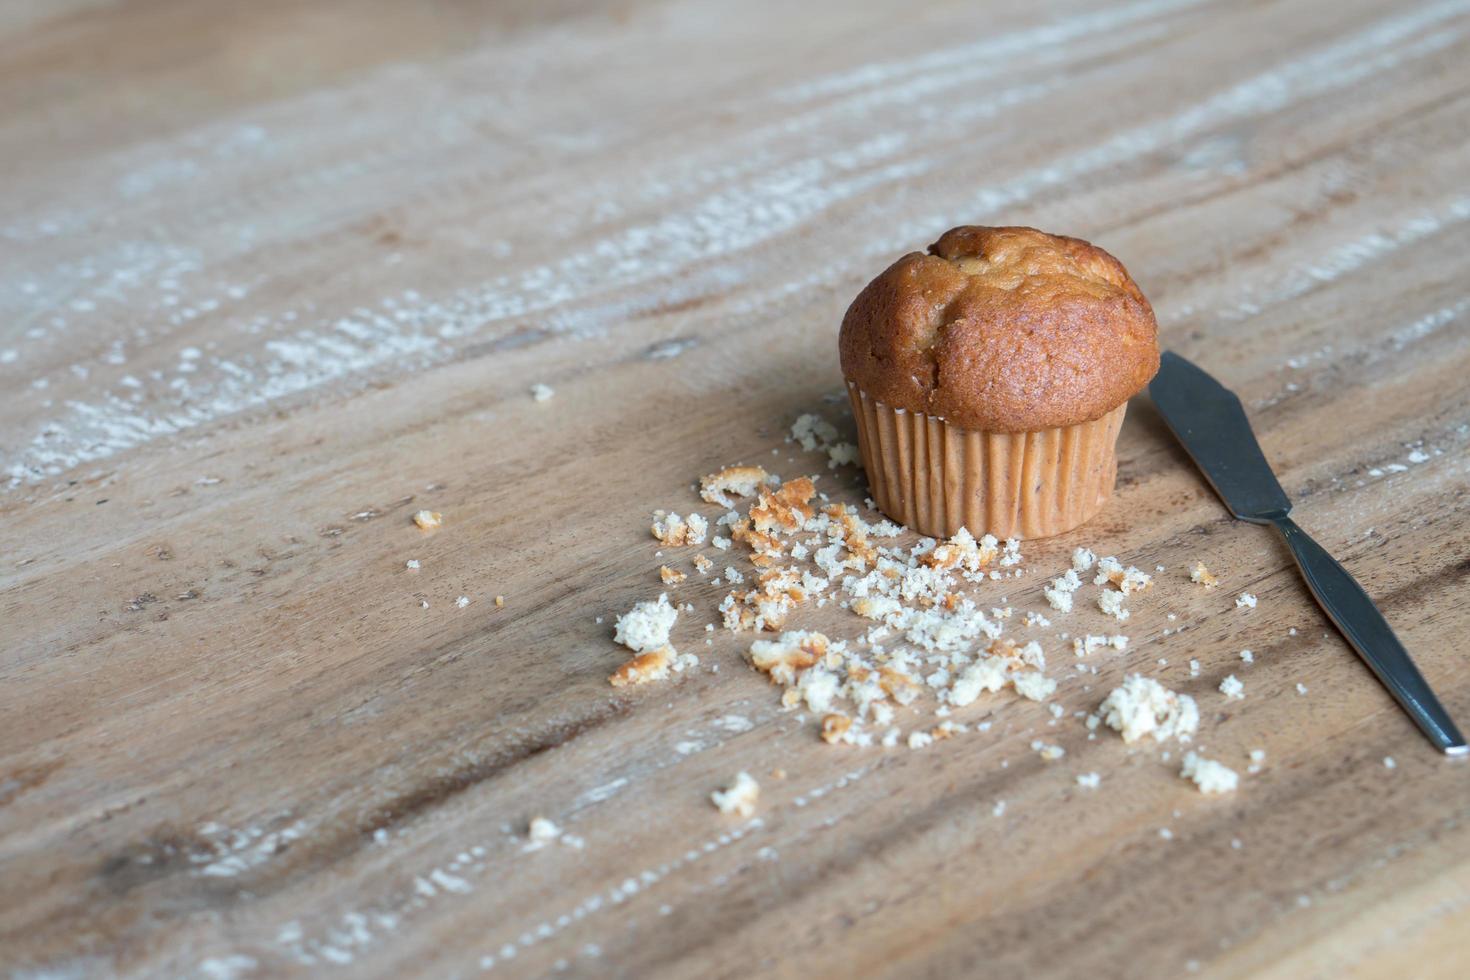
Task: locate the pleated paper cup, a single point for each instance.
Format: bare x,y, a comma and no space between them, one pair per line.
936,477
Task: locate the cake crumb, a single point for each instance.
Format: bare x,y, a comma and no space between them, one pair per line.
739,797
500,601
1388,762
813,432
1128,580
1202,576
671,576
1301,689
1210,776
1245,601
541,832
462,601
1247,656
1112,604
675,531
428,519
1232,688
654,665
834,727
784,658
1059,595
1142,706
733,481
1050,753
1034,685
412,564
646,626
702,565
542,392
1083,560
1083,646
1089,780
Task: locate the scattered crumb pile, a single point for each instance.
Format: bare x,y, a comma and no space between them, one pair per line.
922,650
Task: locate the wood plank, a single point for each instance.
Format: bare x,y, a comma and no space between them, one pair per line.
277,278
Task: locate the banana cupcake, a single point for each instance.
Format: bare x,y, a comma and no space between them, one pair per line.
989,378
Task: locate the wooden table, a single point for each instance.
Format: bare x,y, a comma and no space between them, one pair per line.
276,276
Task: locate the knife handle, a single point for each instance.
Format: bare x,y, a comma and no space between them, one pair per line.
1352,612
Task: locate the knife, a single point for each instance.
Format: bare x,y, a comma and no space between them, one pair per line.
1211,423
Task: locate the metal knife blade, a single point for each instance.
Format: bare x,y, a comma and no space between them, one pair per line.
1209,420
1211,424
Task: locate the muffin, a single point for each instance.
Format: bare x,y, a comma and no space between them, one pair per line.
989,379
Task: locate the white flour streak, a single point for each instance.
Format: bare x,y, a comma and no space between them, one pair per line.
1429,324
79,289
618,894
200,150
734,219
353,931
1331,68
842,782
667,349
598,794
1334,67
1351,256
699,741
230,967
649,877
733,723
696,170
449,882
415,333
919,95
235,852
1037,40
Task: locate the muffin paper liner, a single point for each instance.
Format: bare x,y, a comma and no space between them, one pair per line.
936,477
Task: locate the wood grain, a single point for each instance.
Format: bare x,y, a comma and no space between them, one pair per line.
276,276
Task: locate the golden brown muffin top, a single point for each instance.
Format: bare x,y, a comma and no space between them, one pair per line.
1002,330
